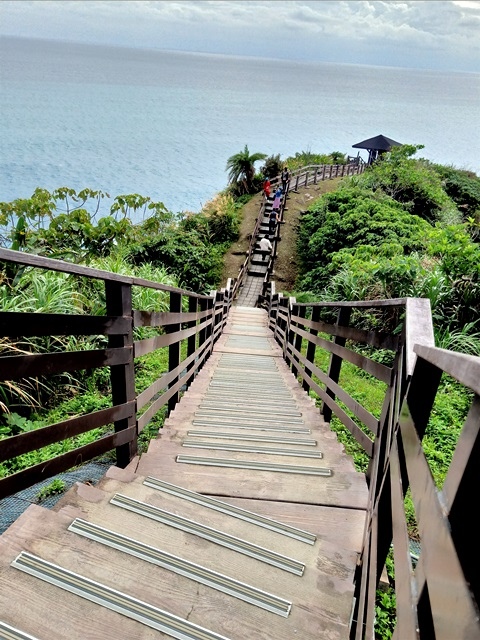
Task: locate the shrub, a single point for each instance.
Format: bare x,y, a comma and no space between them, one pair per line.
463,187
347,218
272,167
413,183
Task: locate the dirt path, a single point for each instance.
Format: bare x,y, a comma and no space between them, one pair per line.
286,264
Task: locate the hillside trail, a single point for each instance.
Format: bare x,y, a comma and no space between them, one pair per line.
286,263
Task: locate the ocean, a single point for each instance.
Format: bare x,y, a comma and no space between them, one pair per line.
163,124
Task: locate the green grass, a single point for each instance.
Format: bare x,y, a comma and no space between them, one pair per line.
93,395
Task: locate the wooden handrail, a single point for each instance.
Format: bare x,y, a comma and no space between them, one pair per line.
440,596
130,411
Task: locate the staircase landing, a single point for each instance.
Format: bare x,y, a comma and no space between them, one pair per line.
243,520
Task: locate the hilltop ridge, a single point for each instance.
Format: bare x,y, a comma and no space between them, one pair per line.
286,263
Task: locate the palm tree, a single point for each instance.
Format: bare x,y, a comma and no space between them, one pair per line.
241,168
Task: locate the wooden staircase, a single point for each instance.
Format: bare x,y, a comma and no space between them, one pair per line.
243,520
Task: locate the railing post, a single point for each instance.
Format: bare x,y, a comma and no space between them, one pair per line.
300,311
202,334
192,340
174,349
283,302
122,376
274,313
311,347
210,329
218,298
336,361
288,338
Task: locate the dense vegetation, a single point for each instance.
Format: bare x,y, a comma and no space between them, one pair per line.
179,250
405,227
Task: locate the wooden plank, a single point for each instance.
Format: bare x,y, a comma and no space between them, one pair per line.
336,359
142,347
20,257
379,371
44,470
155,407
174,346
162,382
161,319
464,368
464,460
372,338
355,407
369,304
345,489
321,597
407,622
445,578
354,429
122,376
31,440
418,328
192,340
15,367
57,324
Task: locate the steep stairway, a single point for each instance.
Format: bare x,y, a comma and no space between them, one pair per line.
243,521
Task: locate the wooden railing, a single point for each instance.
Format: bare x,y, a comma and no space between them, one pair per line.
316,173
311,174
439,597
187,331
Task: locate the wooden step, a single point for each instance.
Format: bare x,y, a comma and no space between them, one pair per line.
315,606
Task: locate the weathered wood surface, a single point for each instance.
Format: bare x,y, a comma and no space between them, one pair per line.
245,391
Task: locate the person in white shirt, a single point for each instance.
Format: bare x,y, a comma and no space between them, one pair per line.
265,245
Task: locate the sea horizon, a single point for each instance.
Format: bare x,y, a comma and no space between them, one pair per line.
164,123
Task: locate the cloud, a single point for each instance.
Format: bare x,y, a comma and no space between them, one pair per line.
432,34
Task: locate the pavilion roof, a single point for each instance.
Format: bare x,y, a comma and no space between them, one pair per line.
377,143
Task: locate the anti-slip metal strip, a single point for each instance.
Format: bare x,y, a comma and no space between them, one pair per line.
242,388
231,402
245,448
207,533
257,466
10,633
243,364
190,570
253,438
112,599
214,406
242,425
230,510
205,413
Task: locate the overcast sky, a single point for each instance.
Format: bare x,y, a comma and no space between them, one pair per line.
425,34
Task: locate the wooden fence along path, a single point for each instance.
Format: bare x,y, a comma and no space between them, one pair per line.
245,519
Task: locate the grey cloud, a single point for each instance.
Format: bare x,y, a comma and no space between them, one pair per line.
361,31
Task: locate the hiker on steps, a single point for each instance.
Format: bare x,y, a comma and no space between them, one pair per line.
266,188
277,200
272,221
265,245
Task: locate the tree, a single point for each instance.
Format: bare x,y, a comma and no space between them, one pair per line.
241,168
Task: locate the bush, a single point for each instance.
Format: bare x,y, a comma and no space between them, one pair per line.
463,187
413,183
347,218
272,167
